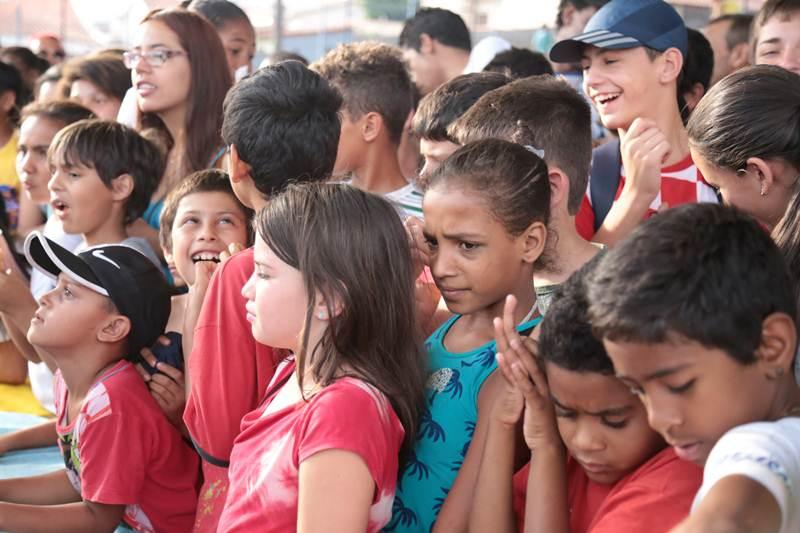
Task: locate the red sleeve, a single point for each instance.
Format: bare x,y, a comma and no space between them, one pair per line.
229,370
114,446
353,416
654,502
584,221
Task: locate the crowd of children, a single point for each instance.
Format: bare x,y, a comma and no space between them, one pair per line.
304,298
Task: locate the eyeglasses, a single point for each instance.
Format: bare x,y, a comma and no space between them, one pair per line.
154,58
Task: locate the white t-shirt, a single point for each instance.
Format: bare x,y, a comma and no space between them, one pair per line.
408,200
769,454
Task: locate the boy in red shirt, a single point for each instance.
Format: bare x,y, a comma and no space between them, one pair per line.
596,466
125,463
633,52
281,125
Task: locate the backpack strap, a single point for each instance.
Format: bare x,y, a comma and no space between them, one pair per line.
604,179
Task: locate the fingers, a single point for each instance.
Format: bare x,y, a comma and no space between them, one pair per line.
509,324
166,387
233,249
173,373
142,372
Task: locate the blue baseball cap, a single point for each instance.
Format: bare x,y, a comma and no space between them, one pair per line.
624,24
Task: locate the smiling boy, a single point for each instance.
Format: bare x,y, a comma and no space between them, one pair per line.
696,313
632,53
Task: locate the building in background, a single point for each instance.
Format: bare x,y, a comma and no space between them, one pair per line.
308,27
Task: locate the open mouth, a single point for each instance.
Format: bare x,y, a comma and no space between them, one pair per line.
59,206
205,256
607,98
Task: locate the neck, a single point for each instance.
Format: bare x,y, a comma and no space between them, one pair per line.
567,253
481,321
455,61
175,121
380,172
81,372
668,119
787,398
112,232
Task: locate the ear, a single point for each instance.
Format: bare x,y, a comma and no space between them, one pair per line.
323,308
371,126
693,96
122,187
559,187
237,168
567,14
739,56
7,101
533,242
168,257
115,329
426,44
671,65
762,171
777,349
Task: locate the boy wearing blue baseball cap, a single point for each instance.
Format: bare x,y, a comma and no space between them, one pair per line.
632,53
125,463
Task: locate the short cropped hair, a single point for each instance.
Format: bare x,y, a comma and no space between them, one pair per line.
372,78
519,63
284,122
579,5
439,109
702,272
63,111
440,24
567,340
739,29
211,180
541,111
112,149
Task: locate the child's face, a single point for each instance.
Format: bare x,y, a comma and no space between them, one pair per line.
435,152
744,191
67,316
693,394
426,72
350,145
164,88
276,300
90,96
474,261
239,40
35,135
79,198
205,224
620,83
603,425
779,42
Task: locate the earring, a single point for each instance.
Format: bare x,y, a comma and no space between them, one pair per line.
322,315
763,192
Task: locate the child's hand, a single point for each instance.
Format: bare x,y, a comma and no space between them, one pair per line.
420,253
167,388
509,404
13,287
644,149
518,361
233,249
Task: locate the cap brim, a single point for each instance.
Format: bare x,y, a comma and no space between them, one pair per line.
53,259
571,50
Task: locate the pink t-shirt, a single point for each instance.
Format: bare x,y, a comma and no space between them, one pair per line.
229,375
346,415
121,450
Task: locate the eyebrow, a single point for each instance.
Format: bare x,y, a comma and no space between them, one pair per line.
774,40
614,411
200,212
664,372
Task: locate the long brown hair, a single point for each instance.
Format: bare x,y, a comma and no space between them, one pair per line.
350,246
210,81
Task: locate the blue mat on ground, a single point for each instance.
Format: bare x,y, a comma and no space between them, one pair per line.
27,462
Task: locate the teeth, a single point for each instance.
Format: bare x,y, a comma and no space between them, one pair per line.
205,257
146,86
606,98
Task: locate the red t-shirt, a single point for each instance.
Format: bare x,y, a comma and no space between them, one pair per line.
121,450
346,415
653,498
229,369
681,183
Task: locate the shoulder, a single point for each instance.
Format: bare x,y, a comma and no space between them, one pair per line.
351,398
771,445
665,472
237,269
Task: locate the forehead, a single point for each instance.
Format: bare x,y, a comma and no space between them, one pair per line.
39,129
437,148
156,33
238,30
453,211
782,26
208,202
587,391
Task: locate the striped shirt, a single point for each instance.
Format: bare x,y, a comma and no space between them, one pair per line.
408,200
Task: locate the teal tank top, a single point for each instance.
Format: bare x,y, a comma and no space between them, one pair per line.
446,428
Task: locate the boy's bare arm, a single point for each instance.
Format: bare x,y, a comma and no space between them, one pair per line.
32,437
735,504
53,488
72,517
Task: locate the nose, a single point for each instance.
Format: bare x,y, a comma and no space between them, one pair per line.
46,300
585,439
442,264
248,291
207,232
661,416
54,183
25,163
